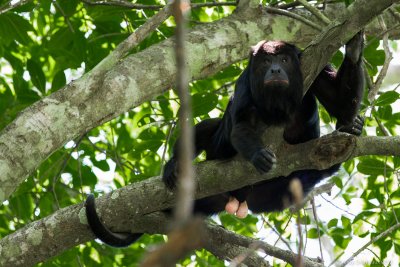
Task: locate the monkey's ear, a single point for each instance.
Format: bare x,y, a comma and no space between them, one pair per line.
298,52
255,48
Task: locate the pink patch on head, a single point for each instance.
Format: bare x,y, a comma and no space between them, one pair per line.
273,47
270,47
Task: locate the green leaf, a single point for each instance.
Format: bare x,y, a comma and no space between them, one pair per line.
102,165
203,103
37,75
59,81
14,28
312,233
332,223
372,166
61,38
387,98
384,112
374,55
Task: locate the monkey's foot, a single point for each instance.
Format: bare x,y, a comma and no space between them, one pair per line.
239,209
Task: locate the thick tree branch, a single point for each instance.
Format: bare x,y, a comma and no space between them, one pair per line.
137,202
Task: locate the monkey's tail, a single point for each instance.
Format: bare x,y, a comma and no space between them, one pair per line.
102,232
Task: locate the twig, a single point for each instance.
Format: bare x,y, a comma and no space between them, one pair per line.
57,5
122,3
373,240
318,230
382,127
127,4
278,11
388,58
280,237
315,192
63,166
11,5
385,185
315,12
394,13
141,33
217,232
170,131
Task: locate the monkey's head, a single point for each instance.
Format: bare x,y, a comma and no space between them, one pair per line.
275,77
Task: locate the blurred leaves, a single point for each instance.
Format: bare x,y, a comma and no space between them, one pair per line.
46,44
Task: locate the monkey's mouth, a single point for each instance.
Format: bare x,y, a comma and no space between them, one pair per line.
277,82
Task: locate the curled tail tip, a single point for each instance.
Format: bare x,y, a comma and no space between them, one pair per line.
102,232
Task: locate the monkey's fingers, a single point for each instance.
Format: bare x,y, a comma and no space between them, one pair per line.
263,160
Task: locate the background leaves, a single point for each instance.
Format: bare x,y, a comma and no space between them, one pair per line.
46,44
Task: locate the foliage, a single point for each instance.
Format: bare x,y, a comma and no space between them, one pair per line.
46,44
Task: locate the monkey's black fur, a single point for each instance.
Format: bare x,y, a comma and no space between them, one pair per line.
268,92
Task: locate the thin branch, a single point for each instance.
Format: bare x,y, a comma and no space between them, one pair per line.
127,4
217,232
12,4
67,20
384,234
278,11
388,58
140,34
315,12
394,13
314,210
122,3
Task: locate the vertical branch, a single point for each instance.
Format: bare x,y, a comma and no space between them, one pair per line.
184,205
296,188
185,236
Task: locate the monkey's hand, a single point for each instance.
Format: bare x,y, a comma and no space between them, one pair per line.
263,160
354,128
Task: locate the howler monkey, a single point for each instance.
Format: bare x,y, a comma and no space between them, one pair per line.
268,92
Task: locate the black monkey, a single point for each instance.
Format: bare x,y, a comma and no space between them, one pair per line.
268,92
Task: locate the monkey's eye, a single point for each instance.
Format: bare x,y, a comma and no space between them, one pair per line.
284,60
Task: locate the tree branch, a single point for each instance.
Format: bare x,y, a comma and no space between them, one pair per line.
138,202
246,242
